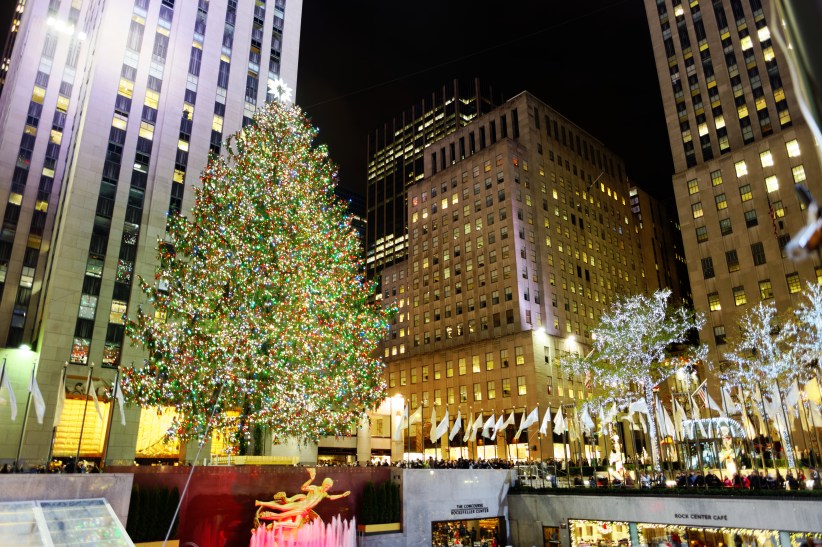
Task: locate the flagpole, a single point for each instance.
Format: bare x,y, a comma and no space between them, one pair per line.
788,429
25,418
748,416
767,426
745,410
83,422
54,428
539,435
112,402
812,422
3,373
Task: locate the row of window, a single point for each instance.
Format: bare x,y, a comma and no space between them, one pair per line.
477,393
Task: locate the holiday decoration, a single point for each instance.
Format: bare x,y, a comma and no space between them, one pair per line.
258,313
630,346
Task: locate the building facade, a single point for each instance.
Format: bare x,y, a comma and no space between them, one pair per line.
514,251
138,94
396,160
739,147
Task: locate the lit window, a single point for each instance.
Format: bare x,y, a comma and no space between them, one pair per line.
719,121
746,43
719,335
745,192
766,158
152,99
713,302
522,388
696,208
739,296
701,234
716,177
798,173
771,183
693,186
793,283
764,34
793,148
741,168
742,111
721,202
765,289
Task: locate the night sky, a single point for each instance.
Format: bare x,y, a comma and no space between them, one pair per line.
364,61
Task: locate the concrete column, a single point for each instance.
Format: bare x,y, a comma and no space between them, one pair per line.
303,453
188,452
364,440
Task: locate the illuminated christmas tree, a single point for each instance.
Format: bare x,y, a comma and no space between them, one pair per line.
258,311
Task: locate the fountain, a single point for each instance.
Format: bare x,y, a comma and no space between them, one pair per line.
337,533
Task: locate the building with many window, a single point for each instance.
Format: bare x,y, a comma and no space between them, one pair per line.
107,116
739,146
396,157
516,245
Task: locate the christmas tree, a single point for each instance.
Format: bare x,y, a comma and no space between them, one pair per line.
258,312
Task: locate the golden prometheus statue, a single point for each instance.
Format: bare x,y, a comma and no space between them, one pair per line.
292,512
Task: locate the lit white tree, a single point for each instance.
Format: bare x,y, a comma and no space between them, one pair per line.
806,331
631,351
764,353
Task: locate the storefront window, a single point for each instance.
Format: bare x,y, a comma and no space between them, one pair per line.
806,539
468,533
550,536
599,533
660,535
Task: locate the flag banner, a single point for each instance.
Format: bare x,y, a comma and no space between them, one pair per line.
416,416
510,421
469,428
457,426
476,427
543,427
701,394
7,384
37,397
587,423
612,413
401,425
559,422
433,430
497,426
669,424
728,403
527,421
121,403
442,427
61,400
489,423
94,398
679,415
813,393
792,397
603,425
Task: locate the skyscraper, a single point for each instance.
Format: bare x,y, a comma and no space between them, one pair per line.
739,146
395,160
107,116
516,244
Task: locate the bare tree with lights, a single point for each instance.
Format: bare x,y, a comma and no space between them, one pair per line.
764,354
631,350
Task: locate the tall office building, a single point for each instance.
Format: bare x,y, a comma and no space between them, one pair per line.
739,146
395,160
107,116
517,243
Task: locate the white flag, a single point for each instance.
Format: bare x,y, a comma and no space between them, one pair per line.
587,423
543,427
679,416
792,397
813,392
603,425
477,425
37,396
527,422
121,402
401,425
750,432
61,401
416,416
457,425
433,430
497,426
469,428
94,398
442,427
559,423
510,421
712,404
7,384
638,406
669,424
489,423
730,407
612,413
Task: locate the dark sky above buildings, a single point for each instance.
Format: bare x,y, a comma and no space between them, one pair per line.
364,61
